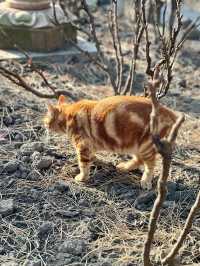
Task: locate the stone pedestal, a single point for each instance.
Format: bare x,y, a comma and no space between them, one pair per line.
32,25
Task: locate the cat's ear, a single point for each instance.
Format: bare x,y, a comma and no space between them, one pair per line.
50,109
61,99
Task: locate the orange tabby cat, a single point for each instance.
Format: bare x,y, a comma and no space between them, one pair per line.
117,124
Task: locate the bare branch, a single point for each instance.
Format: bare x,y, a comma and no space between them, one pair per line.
164,147
188,224
21,82
136,44
114,30
93,29
149,71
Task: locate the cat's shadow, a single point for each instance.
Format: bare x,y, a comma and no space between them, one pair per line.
125,186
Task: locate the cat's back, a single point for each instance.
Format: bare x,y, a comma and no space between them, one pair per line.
137,107
121,105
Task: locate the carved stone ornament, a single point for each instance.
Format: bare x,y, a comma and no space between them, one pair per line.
19,13
28,4
34,25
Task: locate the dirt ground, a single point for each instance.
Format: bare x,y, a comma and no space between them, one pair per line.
48,219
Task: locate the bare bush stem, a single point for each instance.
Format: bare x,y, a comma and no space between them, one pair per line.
164,147
188,224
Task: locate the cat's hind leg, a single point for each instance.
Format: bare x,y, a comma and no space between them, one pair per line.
132,164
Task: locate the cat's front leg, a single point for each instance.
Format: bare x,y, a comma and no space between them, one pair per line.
85,157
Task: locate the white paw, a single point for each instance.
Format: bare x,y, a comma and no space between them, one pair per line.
81,178
146,184
122,167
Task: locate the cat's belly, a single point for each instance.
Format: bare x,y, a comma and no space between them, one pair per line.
103,146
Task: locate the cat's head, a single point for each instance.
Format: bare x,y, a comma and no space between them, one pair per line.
55,120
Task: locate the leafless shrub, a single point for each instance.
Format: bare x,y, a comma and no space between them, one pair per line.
164,147
170,44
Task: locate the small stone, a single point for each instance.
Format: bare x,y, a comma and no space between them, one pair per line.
28,148
144,201
2,250
33,263
75,247
36,155
34,176
45,229
183,83
181,187
11,167
6,207
68,213
61,186
106,264
18,174
195,106
25,159
185,196
168,204
9,120
43,163
130,218
171,186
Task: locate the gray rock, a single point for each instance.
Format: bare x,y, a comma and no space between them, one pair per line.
171,186
43,163
33,263
28,148
18,174
195,106
11,166
183,83
185,196
75,247
25,159
24,171
68,214
145,201
7,207
34,176
9,120
36,155
168,204
63,259
61,186
2,250
181,186
45,229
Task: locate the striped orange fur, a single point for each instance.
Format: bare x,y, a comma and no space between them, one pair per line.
117,124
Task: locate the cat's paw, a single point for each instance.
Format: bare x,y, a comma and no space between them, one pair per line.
81,178
146,184
124,167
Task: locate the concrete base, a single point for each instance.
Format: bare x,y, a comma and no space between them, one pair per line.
57,56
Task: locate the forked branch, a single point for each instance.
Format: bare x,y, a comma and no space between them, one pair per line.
168,260
165,148
21,82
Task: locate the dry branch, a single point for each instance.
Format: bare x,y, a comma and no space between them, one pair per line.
139,30
21,82
188,224
114,30
164,147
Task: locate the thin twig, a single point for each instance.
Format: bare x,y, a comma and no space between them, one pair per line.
164,147
140,27
188,224
114,28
